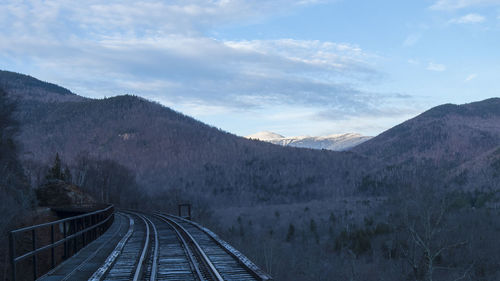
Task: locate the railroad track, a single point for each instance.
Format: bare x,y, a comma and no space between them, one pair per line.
163,247
219,261
129,259
194,259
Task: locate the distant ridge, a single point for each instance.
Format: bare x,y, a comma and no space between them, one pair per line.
170,151
447,132
448,145
264,136
336,142
27,88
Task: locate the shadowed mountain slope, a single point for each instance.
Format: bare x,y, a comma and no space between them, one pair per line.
447,133
448,145
26,88
169,150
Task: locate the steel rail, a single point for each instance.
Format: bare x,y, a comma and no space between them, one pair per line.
111,259
242,260
154,265
140,262
185,245
215,273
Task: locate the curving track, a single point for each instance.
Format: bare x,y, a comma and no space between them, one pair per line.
227,262
163,247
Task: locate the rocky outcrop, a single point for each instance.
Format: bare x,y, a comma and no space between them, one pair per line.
59,193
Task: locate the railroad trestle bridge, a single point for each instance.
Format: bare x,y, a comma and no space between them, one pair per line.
126,245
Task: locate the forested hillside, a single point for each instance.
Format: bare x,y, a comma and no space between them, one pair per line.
446,146
16,196
14,187
168,150
449,134
418,202
26,88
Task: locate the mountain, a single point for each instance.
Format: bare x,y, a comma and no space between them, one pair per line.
25,88
337,142
170,151
448,145
265,136
449,133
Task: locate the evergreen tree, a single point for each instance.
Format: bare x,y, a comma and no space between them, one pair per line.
11,171
15,194
313,226
290,234
67,175
8,128
55,173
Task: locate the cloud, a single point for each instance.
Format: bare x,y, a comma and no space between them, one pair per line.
461,4
469,18
411,40
338,59
414,61
138,18
470,77
233,74
385,105
159,50
436,67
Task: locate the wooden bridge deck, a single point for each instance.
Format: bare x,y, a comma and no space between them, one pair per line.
82,265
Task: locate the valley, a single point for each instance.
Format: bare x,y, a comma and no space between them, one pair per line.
300,213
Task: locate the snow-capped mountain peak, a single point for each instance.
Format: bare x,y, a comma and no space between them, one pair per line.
336,142
264,136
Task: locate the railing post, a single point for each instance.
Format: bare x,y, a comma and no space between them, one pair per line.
52,249
35,267
65,234
112,219
98,229
91,232
84,219
94,219
13,255
74,238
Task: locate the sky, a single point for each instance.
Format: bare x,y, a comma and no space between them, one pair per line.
294,67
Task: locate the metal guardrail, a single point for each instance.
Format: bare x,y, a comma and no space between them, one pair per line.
76,231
